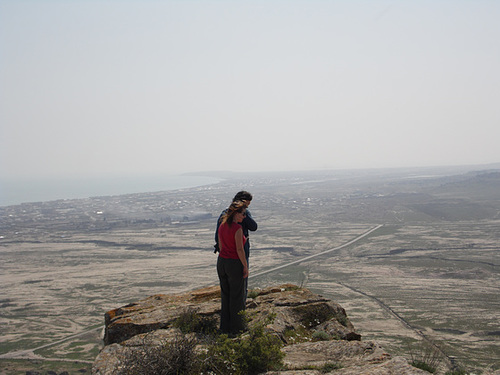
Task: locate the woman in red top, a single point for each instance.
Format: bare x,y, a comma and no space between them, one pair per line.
232,268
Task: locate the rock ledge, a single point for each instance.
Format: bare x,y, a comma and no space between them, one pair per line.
298,314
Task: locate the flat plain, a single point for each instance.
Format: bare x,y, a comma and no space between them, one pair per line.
427,276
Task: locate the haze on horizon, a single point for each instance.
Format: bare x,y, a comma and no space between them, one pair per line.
108,88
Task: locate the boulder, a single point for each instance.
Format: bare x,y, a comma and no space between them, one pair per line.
345,357
157,312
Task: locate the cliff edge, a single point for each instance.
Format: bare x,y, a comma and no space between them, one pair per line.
314,331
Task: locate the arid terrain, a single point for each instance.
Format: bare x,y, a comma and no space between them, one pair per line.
428,273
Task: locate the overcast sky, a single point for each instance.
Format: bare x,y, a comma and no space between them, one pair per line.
159,87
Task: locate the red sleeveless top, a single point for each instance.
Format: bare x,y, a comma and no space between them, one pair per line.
227,242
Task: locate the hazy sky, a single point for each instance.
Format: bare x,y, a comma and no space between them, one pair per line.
127,87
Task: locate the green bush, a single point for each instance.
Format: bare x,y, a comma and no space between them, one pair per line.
253,353
253,293
190,321
320,336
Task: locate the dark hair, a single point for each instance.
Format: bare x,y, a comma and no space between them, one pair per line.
234,208
242,196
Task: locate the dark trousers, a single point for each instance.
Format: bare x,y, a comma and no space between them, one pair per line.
246,283
232,288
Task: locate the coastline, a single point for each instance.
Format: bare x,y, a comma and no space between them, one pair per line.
45,190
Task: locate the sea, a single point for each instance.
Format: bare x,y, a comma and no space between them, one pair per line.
41,190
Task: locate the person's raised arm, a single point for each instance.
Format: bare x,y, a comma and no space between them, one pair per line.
249,222
238,237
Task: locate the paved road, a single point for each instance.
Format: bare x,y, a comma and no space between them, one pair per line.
318,254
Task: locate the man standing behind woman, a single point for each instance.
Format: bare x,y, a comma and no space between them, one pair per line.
232,268
248,224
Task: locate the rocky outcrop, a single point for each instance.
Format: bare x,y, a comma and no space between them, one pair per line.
298,317
157,312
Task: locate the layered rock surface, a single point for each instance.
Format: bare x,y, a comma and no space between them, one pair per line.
297,312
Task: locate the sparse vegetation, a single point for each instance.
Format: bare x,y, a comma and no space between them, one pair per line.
253,352
27,366
253,293
423,366
169,358
434,270
425,357
314,316
326,368
296,335
191,321
342,319
458,371
321,336
330,366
